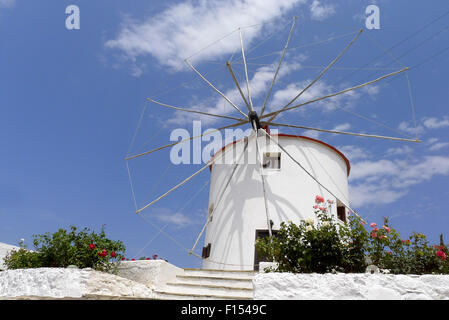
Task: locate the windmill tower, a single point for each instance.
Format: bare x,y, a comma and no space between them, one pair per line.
265,179
241,216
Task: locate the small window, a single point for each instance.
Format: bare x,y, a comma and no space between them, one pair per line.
206,251
341,213
272,160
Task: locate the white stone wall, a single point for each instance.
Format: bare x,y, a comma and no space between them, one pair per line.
289,286
62,283
152,273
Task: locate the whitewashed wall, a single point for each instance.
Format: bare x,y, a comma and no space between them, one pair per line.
152,273
288,286
67,283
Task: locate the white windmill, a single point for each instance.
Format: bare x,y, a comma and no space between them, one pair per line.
249,199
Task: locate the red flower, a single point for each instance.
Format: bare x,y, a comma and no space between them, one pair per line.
148,258
389,252
154,256
123,259
440,254
319,199
133,259
375,229
373,225
386,228
373,235
91,246
113,254
104,253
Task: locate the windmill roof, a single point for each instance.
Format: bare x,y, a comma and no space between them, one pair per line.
348,165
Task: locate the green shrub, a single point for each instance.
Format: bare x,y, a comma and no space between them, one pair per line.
84,249
328,245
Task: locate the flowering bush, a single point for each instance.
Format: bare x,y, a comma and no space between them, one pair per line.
324,246
413,255
330,245
63,248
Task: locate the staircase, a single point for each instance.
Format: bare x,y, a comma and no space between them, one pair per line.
201,284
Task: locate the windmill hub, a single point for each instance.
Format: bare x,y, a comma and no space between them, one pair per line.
254,119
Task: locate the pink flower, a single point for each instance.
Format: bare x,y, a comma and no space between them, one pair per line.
440,254
386,228
319,199
382,236
154,256
323,209
375,230
373,225
363,222
373,235
315,207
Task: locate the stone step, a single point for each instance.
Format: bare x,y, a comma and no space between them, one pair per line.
242,274
164,295
216,280
207,289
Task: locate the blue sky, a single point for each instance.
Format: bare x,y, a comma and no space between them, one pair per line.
71,100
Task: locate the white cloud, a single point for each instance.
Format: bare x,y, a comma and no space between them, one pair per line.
405,126
435,123
399,151
432,140
372,90
427,123
370,169
321,12
364,194
319,89
439,145
354,152
342,127
167,216
311,134
259,83
184,28
385,181
7,3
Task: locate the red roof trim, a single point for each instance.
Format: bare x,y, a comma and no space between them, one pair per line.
348,165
